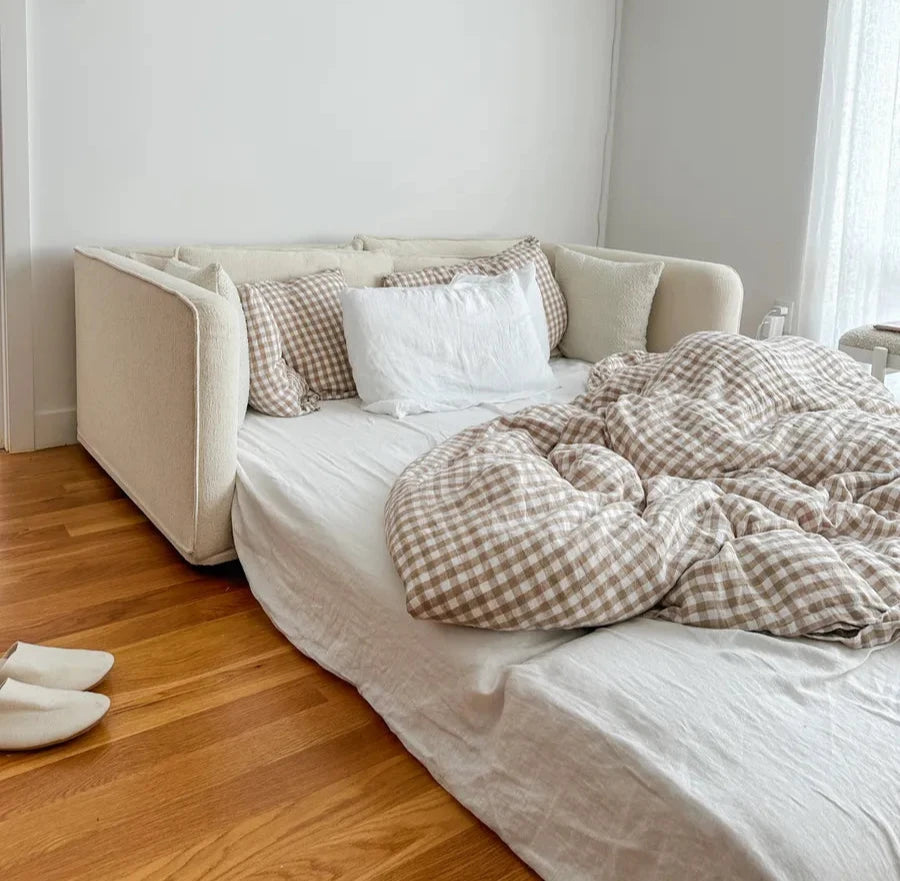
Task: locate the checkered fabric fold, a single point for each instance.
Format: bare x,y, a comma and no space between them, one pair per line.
520,254
727,483
295,332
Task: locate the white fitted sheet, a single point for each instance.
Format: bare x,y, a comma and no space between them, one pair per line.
643,751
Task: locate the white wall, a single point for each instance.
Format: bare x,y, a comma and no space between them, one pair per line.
714,135
204,120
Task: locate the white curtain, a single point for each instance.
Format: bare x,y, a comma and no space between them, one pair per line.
851,264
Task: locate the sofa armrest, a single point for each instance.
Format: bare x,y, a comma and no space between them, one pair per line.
692,295
157,382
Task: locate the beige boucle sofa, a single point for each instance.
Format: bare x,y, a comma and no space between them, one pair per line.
157,373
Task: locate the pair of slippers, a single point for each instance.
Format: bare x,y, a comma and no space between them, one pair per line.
45,696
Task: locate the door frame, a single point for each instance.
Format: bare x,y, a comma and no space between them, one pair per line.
16,303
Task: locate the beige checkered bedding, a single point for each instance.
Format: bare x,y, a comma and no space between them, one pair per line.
727,483
526,251
295,335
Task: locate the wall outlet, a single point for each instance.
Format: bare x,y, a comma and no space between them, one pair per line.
775,322
786,308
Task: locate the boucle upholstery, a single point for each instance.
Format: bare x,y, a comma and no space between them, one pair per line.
157,261
362,269
158,367
355,244
867,337
214,278
157,363
418,262
691,295
405,247
608,301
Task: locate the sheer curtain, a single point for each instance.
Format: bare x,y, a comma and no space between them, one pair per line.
851,264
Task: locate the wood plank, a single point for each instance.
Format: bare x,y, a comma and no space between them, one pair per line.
362,828
92,605
227,754
144,750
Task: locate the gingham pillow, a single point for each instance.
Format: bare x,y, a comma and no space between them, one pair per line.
296,338
526,251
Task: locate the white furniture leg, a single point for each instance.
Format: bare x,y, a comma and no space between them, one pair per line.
879,362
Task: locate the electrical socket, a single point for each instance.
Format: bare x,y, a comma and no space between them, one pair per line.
787,310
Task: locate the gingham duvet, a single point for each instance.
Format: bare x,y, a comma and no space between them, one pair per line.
726,483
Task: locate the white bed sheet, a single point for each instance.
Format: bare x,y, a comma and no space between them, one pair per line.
642,751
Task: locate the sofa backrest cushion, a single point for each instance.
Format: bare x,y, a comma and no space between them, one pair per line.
157,261
410,247
418,262
360,268
352,245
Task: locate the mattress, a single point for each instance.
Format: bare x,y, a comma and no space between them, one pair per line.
646,750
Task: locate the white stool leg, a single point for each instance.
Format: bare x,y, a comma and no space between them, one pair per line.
879,362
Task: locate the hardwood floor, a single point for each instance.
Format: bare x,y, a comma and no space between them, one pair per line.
226,754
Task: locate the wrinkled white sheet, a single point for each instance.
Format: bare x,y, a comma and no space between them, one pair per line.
647,750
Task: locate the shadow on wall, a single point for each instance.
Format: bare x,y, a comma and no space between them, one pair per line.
53,323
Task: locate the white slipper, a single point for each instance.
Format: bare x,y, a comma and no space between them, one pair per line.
76,669
32,716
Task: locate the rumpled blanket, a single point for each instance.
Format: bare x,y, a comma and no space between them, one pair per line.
726,483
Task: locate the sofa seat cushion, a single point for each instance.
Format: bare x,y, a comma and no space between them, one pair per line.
359,268
519,255
609,303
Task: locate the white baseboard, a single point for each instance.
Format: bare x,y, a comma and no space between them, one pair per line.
54,428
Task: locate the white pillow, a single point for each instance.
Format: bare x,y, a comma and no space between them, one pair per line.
609,303
527,277
443,347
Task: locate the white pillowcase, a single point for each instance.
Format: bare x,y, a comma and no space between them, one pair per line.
444,347
527,277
